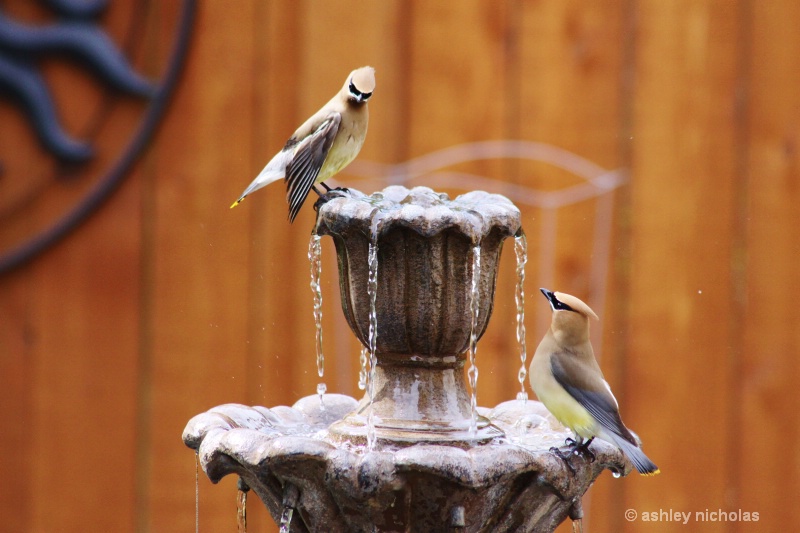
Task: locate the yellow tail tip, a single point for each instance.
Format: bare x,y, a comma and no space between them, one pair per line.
237,202
653,473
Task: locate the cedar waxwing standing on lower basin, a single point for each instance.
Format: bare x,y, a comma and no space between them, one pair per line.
325,143
567,379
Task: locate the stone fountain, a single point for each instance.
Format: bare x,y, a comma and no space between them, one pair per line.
417,277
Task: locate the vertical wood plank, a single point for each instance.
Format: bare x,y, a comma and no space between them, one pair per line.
683,203
274,247
458,83
16,367
83,375
570,97
572,61
198,263
768,467
337,40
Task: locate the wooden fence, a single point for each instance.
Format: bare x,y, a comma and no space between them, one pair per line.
166,303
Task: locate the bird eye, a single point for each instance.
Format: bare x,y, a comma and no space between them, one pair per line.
365,96
353,90
562,306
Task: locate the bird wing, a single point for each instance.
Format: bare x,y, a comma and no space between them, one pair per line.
591,391
309,156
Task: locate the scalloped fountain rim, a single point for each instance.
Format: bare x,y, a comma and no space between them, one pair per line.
424,211
234,438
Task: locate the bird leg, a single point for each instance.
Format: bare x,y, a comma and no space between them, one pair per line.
328,195
328,189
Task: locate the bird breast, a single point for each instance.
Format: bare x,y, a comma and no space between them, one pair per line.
345,148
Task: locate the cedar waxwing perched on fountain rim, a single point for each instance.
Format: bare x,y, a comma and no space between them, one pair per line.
566,378
325,143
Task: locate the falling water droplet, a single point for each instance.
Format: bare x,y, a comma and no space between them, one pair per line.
474,305
577,526
362,374
286,519
321,389
615,473
372,292
521,250
315,258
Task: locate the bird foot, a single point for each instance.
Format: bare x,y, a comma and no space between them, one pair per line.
564,457
573,447
329,195
581,448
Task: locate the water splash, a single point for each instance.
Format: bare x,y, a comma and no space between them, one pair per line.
472,373
372,292
315,258
362,374
521,250
286,519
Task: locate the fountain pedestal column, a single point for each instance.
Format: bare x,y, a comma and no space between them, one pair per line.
425,245
416,400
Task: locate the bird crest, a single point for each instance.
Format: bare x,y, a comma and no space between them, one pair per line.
364,79
577,305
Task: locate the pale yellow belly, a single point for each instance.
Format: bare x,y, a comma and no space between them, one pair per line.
563,407
341,154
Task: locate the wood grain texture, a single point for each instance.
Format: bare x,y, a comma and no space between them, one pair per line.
166,303
682,209
569,76
770,339
196,318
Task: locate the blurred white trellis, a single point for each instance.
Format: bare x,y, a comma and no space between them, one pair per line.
598,183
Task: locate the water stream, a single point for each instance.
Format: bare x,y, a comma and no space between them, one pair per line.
372,292
362,373
472,372
315,258
286,519
521,251
241,511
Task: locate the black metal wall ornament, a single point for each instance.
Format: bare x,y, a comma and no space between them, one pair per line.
75,36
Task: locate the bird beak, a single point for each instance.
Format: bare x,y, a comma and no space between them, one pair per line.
551,297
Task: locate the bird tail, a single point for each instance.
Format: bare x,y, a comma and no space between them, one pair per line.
640,461
275,170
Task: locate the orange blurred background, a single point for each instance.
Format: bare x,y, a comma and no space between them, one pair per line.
166,303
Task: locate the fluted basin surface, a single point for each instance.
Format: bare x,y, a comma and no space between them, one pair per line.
426,245
509,484
425,242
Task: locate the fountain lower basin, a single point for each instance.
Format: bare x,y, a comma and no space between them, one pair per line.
287,455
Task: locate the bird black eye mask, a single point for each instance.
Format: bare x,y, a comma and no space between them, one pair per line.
355,92
555,303
561,306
